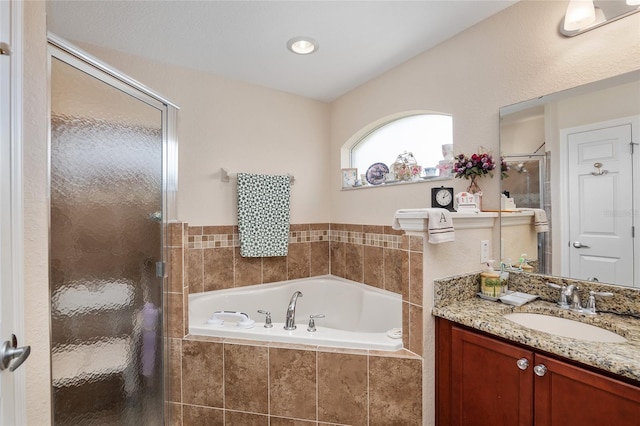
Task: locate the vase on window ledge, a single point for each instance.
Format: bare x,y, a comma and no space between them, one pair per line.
473,187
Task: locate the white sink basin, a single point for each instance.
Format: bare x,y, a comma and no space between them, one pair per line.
565,327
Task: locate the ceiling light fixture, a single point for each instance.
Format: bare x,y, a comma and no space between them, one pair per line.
302,45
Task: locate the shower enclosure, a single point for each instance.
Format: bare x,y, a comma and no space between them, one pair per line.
108,197
528,184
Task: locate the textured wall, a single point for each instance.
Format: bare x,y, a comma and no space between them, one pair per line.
36,214
243,128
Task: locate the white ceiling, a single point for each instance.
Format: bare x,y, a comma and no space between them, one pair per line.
246,40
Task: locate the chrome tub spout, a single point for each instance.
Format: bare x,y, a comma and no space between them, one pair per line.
290,322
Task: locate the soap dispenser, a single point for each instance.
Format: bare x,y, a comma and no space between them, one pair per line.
490,283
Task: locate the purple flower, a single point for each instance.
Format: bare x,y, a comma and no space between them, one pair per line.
476,164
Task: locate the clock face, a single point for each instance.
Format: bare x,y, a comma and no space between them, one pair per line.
443,197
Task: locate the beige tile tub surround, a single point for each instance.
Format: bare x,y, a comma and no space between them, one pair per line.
233,382
301,383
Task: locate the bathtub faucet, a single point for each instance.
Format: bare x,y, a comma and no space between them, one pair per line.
290,323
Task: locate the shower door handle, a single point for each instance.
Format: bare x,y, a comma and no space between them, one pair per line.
9,351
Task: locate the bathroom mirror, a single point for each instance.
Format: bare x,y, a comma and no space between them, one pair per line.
570,154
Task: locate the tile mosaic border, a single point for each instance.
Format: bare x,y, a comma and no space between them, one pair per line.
202,237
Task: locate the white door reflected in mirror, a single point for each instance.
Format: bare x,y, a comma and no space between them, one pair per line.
599,204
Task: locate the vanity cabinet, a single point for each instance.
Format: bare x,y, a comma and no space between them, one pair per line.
481,380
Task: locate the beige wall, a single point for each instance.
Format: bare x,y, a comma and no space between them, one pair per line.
36,214
241,127
513,56
522,136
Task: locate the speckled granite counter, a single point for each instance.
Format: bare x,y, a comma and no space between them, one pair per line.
456,300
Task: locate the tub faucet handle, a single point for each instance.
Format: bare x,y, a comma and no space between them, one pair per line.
267,320
312,322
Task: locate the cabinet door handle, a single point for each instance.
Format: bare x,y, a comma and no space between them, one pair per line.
522,363
540,370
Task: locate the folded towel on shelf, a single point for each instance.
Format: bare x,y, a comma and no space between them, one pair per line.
263,214
440,226
540,222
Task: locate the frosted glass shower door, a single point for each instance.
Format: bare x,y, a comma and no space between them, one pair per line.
105,240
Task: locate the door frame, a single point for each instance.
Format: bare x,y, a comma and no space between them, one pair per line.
634,121
12,262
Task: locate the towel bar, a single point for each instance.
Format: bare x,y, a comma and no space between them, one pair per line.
225,176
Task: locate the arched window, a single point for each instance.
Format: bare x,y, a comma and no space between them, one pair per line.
422,134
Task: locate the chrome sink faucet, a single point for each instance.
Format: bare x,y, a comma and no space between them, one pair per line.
290,322
573,295
569,296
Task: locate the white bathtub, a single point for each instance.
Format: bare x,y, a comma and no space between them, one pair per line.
356,315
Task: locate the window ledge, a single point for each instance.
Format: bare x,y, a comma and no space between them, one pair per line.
399,183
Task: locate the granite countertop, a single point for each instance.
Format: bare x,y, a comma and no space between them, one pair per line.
618,358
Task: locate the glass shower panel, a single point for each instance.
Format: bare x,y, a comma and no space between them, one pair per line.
105,241
527,184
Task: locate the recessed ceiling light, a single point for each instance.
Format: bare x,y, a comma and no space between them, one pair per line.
302,45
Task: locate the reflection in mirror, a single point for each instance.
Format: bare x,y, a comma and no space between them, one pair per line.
574,155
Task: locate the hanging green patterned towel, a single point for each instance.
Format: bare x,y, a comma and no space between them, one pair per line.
263,215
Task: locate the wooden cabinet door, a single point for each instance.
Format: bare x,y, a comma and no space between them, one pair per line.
567,395
487,386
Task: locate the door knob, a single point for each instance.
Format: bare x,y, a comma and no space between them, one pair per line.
523,363
5,49
540,370
9,351
578,244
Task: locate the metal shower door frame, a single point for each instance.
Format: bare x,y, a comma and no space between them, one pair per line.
64,51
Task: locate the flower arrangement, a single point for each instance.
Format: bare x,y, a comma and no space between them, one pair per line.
474,166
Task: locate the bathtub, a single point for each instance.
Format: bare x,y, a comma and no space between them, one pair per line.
355,315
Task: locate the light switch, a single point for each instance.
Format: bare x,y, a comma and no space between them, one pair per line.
484,251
